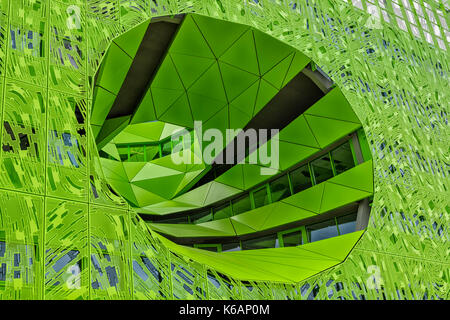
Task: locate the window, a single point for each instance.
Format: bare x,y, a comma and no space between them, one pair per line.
301,179
322,169
280,189
291,238
151,152
347,224
137,153
234,246
322,230
343,158
209,247
222,212
261,197
178,220
270,241
200,217
166,149
242,205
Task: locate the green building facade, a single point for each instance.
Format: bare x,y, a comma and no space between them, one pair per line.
92,205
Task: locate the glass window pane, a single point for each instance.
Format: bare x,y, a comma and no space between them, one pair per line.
343,158
270,241
292,239
280,188
347,224
137,153
322,230
301,179
152,152
322,169
222,212
261,197
200,217
242,205
209,247
167,148
179,220
234,246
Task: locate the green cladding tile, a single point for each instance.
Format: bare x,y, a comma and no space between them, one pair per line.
335,196
146,110
270,51
360,177
335,106
164,98
233,177
190,68
337,247
299,62
130,41
114,70
190,41
110,129
235,81
285,213
309,199
103,100
291,153
179,112
265,93
299,132
220,35
242,54
328,130
167,77
277,74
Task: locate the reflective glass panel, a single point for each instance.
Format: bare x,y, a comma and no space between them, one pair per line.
322,169
280,188
261,197
242,205
322,230
343,158
292,239
347,224
300,179
270,241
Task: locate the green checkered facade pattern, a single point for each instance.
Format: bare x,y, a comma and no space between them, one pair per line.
389,58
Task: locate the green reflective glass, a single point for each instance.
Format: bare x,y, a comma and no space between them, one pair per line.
222,212
200,217
270,241
343,158
233,246
178,220
347,224
261,197
209,247
242,205
322,169
301,179
292,239
279,188
322,230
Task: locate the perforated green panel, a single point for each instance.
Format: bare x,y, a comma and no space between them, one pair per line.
64,234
